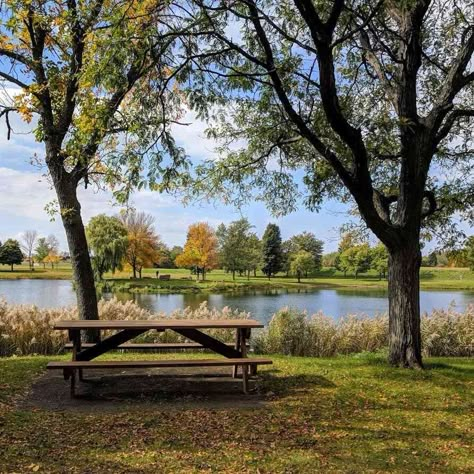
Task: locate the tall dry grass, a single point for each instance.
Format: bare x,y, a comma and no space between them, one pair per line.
292,332
28,329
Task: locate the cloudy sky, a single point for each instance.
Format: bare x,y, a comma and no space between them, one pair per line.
25,192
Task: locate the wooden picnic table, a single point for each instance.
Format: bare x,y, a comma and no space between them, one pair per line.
126,330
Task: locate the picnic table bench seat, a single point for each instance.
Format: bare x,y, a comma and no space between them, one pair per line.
69,367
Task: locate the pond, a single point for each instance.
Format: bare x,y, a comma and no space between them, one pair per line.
335,303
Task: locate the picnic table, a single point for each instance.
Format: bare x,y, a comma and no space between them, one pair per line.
235,355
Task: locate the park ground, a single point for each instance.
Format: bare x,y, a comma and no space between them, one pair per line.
220,281
345,414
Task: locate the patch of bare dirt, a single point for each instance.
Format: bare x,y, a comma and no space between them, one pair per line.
174,388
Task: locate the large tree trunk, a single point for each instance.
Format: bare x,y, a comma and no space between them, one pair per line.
79,251
404,306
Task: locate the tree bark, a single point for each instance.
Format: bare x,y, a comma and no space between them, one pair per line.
79,251
404,306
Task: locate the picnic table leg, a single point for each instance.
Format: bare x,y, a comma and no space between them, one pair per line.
238,339
245,378
244,334
75,337
77,344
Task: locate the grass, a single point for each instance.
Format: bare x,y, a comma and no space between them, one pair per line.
346,414
219,281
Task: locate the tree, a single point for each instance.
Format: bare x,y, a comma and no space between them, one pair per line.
469,252
52,258
379,260
28,242
329,259
307,241
432,259
42,250
200,250
355,259
254,254
143,242
107,239
10,253
272,255
370,100
101,78
234,249
302,263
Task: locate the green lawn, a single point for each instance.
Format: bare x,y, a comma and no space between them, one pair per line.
346,414
218,280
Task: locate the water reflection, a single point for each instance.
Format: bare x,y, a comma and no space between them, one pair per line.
335,303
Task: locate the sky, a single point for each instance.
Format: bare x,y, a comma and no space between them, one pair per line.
25,192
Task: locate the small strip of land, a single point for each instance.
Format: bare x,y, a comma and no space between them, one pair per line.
218,281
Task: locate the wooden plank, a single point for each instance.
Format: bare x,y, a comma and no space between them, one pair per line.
150,345
209,342
120,364
159,324
108,344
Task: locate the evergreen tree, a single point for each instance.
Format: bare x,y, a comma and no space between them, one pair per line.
272,254
432,259
10,253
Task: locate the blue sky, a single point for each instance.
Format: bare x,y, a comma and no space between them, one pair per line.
25,191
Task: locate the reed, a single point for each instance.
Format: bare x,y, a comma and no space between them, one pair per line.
292,332
28,329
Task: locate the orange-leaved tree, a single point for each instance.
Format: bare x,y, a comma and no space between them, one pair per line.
143,241
200,250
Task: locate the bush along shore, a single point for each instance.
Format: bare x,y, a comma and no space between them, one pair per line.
26,330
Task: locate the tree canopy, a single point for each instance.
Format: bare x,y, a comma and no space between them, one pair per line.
200,249
272,254
368,101
143,243
108,242
10,253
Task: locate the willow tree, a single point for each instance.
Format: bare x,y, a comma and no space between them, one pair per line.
369,101
93,76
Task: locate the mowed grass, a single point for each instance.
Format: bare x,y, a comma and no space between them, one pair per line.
347,414
219,280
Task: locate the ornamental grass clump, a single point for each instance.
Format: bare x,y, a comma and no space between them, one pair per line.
28,329
292,332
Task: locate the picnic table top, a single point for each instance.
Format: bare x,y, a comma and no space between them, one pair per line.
159,324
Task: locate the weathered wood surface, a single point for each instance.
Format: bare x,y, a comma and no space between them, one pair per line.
108,344
120,364
160,324
209,342
150,345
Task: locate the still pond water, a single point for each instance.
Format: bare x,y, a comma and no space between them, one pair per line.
335,303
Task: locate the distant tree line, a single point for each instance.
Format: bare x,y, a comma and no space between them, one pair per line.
32,248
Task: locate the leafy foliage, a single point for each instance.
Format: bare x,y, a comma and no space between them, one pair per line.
272,254
200,249
10,253
108,241
302,263
142,241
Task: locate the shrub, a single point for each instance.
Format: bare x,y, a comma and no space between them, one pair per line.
291,332
28,329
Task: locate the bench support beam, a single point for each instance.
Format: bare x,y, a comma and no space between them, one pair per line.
108,344
210,343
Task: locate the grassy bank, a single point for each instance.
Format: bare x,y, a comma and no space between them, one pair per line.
345,414
220,281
